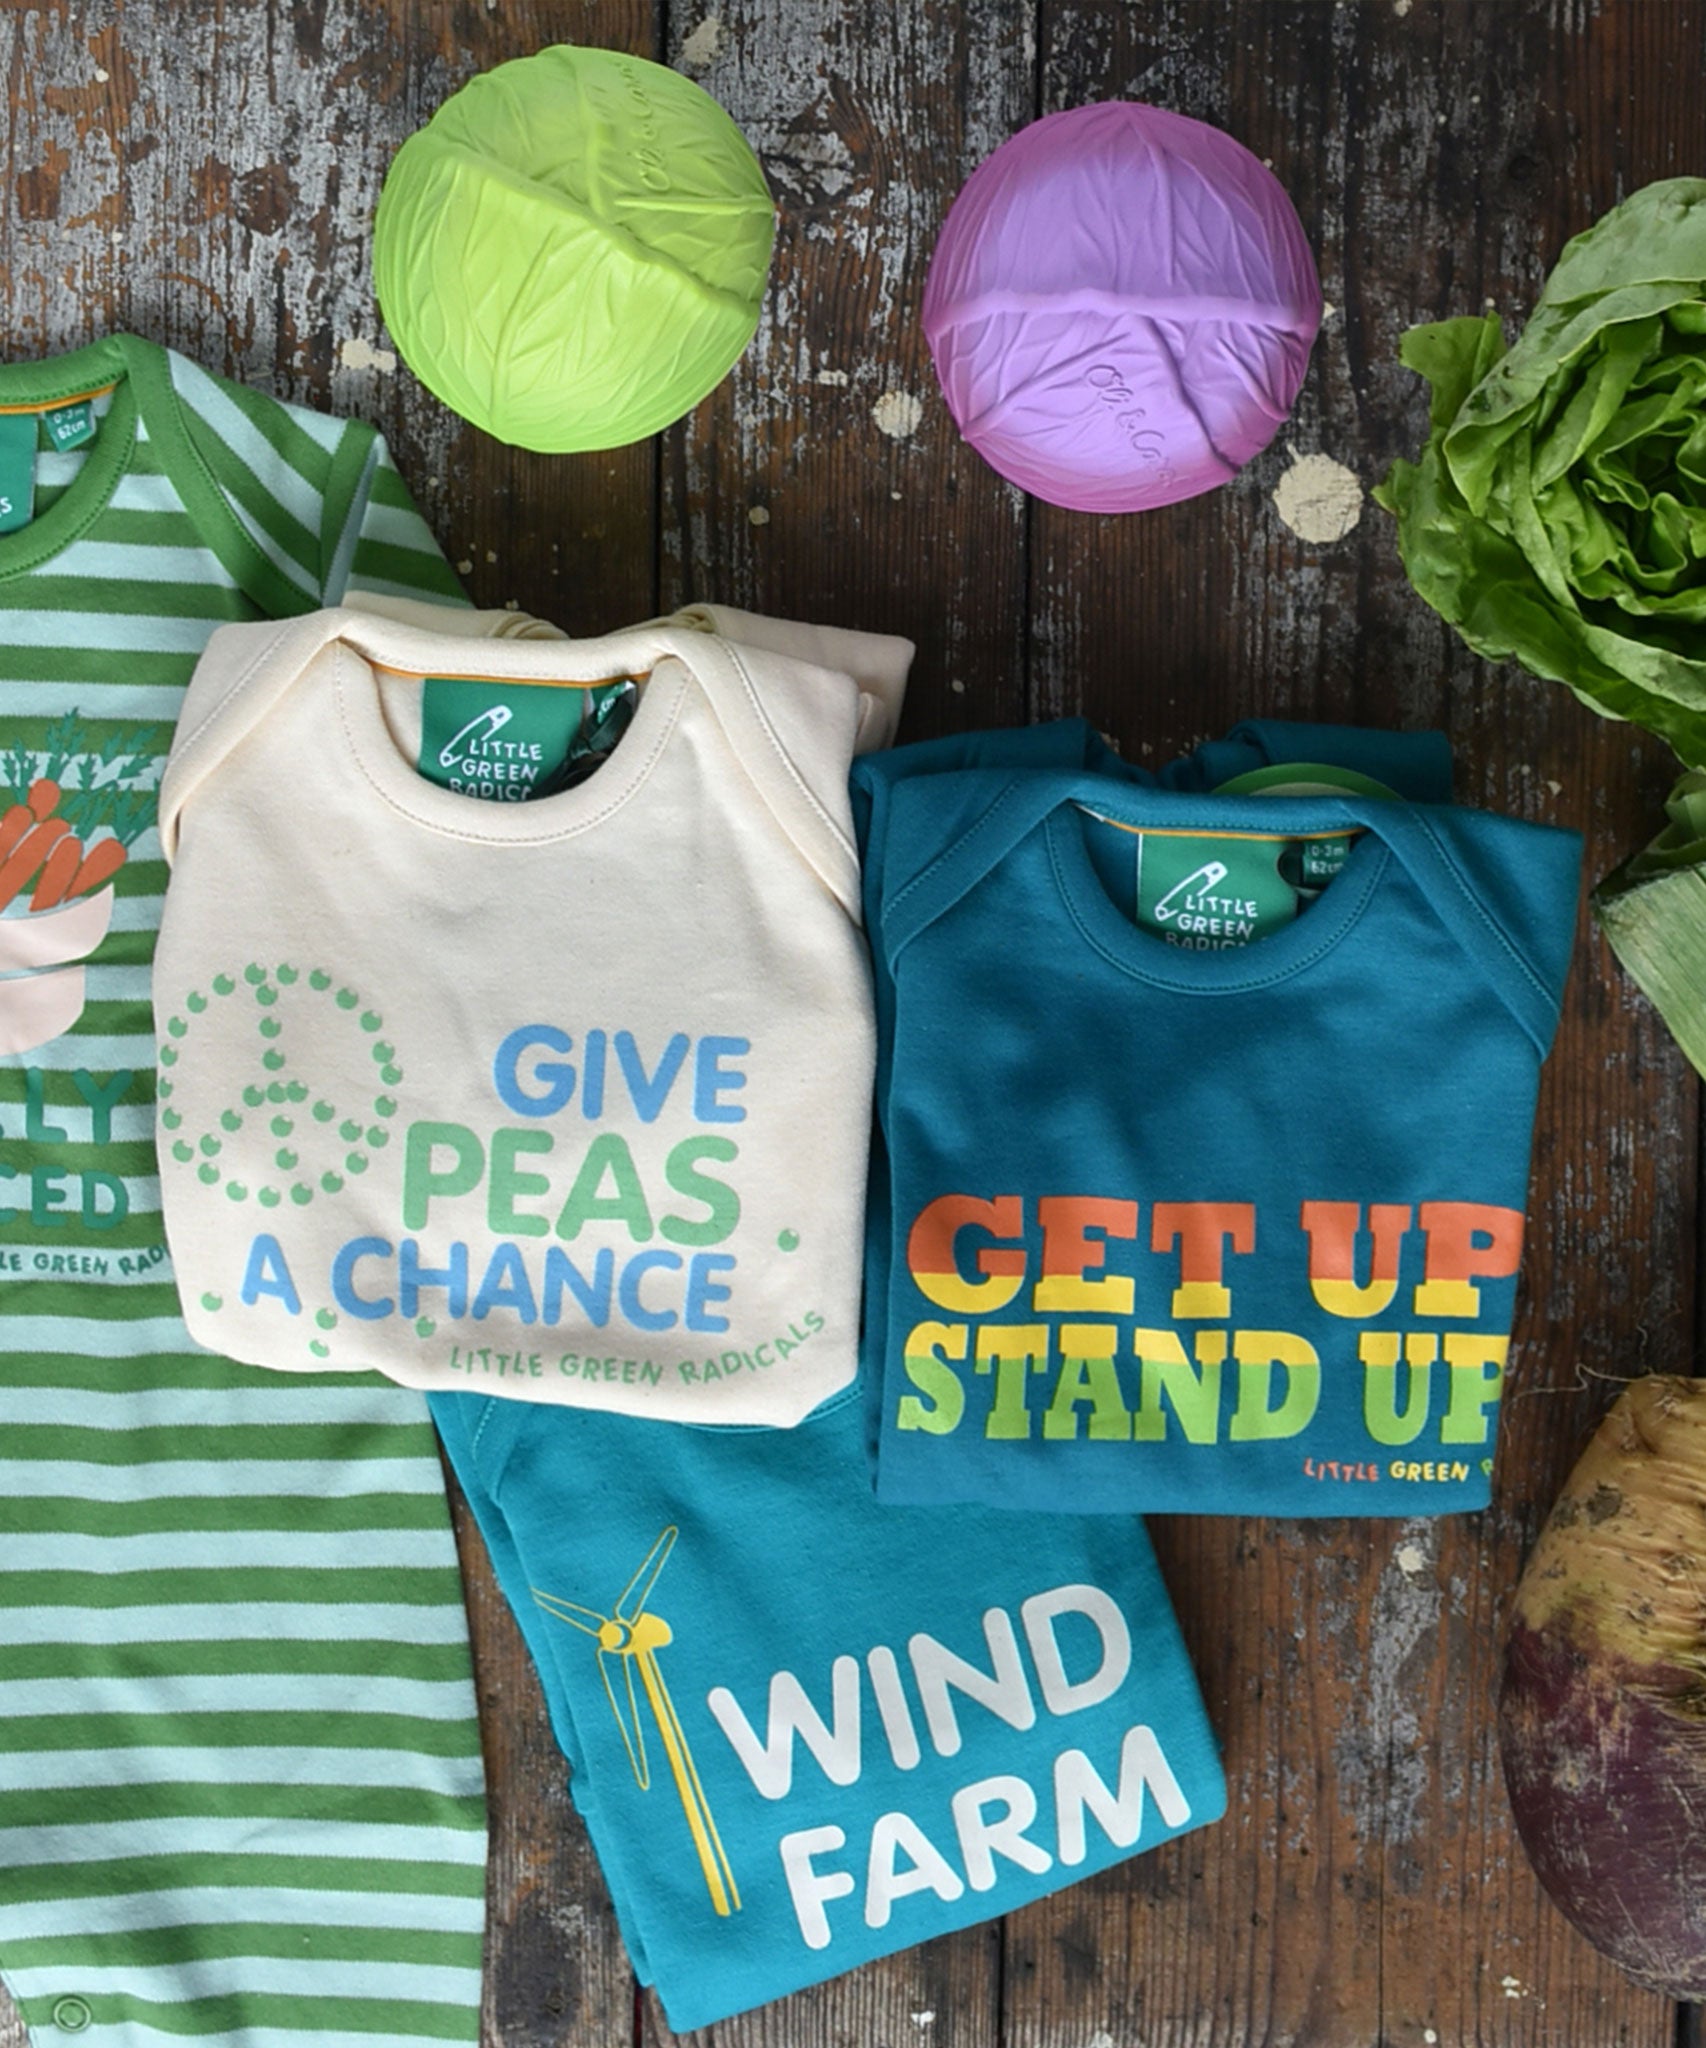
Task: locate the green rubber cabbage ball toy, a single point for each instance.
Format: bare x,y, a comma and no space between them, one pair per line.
572,252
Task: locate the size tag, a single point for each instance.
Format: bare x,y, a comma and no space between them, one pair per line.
1209,890
1310,864
509,741
17,470
69,426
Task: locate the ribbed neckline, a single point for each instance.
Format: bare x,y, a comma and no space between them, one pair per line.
399,783
112,360
1285,952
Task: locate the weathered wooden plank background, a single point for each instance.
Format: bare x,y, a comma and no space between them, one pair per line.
206,174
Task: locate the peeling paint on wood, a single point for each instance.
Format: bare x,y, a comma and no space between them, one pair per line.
1319,499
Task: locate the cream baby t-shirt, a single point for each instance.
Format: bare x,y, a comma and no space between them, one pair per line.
564,1098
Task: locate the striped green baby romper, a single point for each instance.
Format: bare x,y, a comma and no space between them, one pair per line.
240,1780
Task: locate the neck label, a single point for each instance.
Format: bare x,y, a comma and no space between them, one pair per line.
508,742
17,470
1208,891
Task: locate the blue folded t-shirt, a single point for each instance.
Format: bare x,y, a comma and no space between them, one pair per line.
806,1730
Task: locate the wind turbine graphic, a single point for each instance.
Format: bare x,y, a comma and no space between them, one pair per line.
628,1631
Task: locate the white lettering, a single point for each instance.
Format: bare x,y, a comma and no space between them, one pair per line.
1002,1689
770,1764
1060,1694
928,1871
891,1704
807,1890
1079,1790
981,1841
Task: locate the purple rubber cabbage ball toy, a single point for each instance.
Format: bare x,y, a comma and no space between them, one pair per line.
1120,308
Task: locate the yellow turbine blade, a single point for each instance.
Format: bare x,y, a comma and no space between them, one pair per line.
569,1611
634,1744
711,1860
668,1700
655,1560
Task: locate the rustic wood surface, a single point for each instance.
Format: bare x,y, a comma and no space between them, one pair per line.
206,174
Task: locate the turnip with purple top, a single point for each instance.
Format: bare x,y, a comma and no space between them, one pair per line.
1602,1715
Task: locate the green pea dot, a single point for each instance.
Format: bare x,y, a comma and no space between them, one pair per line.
282,1126
301,1193
349,1130
162,1089
176,1026
236,1190
347,999
266,994
296,1091
384,1105
284,1159
276,1091
229,1120
213,1303
332,1182
168,1056
254,1097
319,978
210,1145
324,1112
371,1020
223,984
378,1136
270,1027
268,1198
208,1175
183,1151
195,1002
424,1326
254,973
171,1118
326,1319
286,973
272,1060
319,1350
356,1162
789,1241
390,1076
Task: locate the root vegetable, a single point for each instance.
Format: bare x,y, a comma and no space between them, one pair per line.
57,872
1602,1715
13,825
19,867
100,864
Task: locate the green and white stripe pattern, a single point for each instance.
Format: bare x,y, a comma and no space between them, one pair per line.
240,1781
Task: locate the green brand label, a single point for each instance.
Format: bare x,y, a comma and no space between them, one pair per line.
509,741
17,470
1209,890
69,426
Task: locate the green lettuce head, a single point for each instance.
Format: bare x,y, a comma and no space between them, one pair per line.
1557,514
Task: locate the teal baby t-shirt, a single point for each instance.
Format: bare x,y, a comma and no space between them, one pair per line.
806,1730
1171,1224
